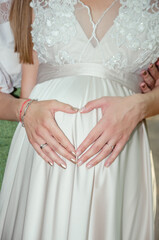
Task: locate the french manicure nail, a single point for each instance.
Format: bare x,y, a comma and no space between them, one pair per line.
74,153
76,109
63,165
81,110
107,164
73,160
51,164
89,165
79,163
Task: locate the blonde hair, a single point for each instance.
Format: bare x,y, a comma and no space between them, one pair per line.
20,21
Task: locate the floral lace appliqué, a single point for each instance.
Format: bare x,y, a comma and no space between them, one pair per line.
54,24
4,11
136,28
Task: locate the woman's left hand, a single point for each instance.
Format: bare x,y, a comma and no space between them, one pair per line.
120,116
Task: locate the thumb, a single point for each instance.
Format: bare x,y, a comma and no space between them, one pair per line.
67,108
97,103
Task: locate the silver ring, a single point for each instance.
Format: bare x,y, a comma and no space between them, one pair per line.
112,147
43,145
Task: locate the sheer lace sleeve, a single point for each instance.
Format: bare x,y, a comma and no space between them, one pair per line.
10,69
4,11
5,81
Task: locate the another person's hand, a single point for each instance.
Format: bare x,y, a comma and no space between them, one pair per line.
150,78
42,128
120,116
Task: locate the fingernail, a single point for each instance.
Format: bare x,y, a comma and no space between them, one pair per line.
73,160
75,109
89,165
107,164
74,153
144,73
79,163
78,153
143,85
51,164
151,65
82,109
63,166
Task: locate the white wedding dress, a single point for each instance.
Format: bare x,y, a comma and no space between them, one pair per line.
81,61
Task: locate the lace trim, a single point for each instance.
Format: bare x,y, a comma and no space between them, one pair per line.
57,25
138,18
135,28
4,11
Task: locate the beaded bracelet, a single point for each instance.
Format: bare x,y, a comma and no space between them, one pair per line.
26,108
20,114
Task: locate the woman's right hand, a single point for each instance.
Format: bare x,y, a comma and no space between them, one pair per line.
41,128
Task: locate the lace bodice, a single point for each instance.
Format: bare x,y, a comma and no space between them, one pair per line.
125,37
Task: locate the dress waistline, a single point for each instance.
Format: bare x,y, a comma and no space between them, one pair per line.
47,72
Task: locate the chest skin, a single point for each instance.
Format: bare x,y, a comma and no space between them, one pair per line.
97,7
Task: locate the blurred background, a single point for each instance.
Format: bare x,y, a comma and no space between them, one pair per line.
153,131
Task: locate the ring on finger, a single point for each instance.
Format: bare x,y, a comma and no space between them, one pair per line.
112,147
43,145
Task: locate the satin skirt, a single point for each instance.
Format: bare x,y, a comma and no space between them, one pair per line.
40,202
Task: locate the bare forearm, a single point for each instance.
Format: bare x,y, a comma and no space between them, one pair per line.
29,76
9,107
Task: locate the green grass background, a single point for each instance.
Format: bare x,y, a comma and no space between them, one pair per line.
7,130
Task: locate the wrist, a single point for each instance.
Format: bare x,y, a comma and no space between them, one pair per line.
27,104
140,105
19,104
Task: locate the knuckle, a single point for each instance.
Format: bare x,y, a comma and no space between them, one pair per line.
97,147
54,101
38,131
90,138
66,146
105,152
59,139
55,148
47,151
31,140
150,81
118,149
67,106
46,123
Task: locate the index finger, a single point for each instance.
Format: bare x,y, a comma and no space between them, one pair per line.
61,138
90,139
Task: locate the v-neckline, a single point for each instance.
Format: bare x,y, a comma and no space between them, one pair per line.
88,39
91,15
107,32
